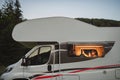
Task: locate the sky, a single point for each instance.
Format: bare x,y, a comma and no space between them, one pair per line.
107,9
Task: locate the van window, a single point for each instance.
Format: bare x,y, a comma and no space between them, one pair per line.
65,58
81,53
39,56
88,51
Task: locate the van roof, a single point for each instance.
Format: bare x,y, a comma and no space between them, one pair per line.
62,29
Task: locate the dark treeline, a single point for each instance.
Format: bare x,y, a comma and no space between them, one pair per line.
10,15
101,22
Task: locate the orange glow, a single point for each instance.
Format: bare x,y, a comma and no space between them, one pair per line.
89,50
77,51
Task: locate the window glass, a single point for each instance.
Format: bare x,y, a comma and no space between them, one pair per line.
88,51
65,58
44,49
83,51
39,56
45,54
76,53
34,53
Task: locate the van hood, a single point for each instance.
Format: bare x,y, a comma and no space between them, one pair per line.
12,65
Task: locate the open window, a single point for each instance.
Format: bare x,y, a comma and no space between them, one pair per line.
89,50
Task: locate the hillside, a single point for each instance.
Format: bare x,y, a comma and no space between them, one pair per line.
101,22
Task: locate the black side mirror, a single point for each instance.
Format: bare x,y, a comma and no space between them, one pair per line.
49,67
24,61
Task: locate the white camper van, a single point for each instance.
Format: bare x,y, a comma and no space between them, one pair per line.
66,49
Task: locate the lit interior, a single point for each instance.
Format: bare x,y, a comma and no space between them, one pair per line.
89,50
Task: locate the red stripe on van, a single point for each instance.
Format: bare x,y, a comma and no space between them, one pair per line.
45,77
76,71
99,67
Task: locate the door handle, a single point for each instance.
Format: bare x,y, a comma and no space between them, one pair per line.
49,67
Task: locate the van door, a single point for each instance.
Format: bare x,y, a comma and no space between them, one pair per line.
37,61
65,67
117,73
71,77
56,70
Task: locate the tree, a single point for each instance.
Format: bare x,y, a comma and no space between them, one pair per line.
18,12
10,15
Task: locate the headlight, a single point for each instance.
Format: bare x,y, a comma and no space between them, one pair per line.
8,70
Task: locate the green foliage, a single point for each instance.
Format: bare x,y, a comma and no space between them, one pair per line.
101,22
2,69
10,15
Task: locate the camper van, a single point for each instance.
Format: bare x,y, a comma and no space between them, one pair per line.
66,49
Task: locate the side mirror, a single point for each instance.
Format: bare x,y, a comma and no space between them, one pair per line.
24,61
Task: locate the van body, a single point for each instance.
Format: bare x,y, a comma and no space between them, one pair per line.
67,49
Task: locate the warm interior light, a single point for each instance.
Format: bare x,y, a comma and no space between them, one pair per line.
77,51
89,50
